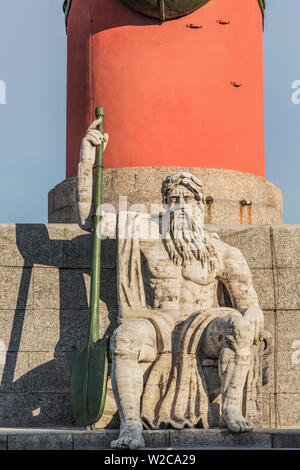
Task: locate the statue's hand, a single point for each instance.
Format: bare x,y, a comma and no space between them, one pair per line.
84,204
256,317
92,138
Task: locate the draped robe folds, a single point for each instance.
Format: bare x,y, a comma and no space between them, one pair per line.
175,390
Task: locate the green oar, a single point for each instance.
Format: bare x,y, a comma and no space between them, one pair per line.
89,365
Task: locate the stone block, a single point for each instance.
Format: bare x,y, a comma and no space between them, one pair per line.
49,330
49,374
62,216
286,241
269,420
46,288
288,344
288,410
3,442
41,441
40,331
218,438
51,202
77,248
286,440
251,240
99,439
11,325
274,198
16,288
74,285
32,409
269,215
73,329
268,361
287,288
13,373
156,439
64,193
224,212
28,244
263,285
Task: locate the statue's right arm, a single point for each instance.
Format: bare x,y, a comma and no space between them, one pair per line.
84,185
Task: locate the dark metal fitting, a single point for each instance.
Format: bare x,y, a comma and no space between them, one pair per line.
243,202
194,26
209,200
236,84
223,22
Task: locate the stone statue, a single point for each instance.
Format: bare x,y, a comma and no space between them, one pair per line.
170,319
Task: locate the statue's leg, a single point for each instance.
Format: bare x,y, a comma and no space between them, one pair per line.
134,341
229,339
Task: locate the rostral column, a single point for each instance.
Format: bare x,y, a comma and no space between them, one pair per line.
183,92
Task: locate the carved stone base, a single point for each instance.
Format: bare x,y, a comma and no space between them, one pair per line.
232,197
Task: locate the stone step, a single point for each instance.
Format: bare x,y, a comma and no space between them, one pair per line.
192,439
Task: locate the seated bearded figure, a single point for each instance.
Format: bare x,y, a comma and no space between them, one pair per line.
169,317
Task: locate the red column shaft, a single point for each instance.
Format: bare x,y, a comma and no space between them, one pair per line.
173,95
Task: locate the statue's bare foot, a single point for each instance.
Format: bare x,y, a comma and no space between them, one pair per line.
235,421
130,437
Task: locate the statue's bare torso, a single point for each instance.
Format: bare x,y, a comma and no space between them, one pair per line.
186,288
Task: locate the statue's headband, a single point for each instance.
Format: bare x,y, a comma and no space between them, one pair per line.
186,179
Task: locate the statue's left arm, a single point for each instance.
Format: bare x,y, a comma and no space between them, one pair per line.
236,275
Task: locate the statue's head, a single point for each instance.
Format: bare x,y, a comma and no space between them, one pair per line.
182,193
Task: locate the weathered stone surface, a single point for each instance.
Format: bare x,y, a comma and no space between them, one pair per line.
287,288
48,373
288,360
285,440
269,215
46,288
14,368
269,420
40,330
286,245
156,439
35,409
99,439
268,362
218,438
251,240
49,330
288,410
51,441
3,442
26,245
16,288
263,285
142,185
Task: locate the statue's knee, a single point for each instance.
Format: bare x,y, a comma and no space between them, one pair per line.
125,342
241,329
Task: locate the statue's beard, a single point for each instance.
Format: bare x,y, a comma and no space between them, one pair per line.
189,240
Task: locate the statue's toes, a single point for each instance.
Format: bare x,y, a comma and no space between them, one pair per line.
234,426
136,444
119,444
245,426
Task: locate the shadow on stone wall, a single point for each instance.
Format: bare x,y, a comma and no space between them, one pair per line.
43,395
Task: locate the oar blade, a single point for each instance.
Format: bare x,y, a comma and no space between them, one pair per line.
89,367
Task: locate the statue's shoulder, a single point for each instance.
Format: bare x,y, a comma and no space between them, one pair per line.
229,256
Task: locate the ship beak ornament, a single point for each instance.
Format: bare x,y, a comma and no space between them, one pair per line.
66,9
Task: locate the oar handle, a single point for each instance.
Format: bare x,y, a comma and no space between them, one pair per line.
93,333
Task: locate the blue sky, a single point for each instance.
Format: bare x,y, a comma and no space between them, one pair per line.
32,122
